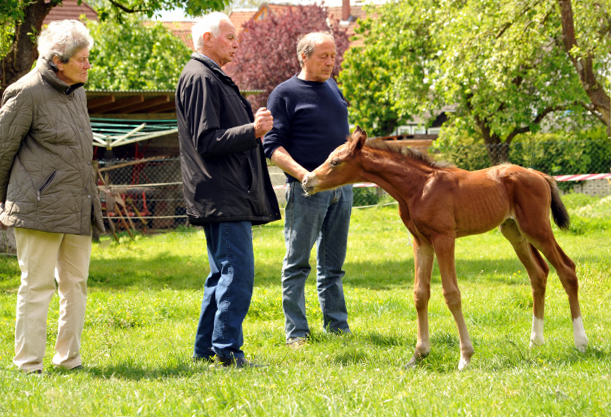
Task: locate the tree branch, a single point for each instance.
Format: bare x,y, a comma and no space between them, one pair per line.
125,9
592,109
584,66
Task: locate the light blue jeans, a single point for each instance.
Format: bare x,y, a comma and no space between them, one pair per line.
324,219
228,290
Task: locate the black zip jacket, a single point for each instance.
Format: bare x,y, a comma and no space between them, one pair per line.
224,171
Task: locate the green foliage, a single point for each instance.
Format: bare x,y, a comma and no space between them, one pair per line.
501,65
395,47
15,13
135,55
7,32
589,214
11,10
366,196
562,153
116,10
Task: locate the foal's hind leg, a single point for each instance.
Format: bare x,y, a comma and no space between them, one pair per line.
537,270
423,262
542,237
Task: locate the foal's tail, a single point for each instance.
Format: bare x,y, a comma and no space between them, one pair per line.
559,213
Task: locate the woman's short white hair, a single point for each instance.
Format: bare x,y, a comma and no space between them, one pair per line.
63,39
209,23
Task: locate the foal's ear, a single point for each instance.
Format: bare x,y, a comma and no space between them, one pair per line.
359,137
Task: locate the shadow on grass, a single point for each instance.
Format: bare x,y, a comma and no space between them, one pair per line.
498,355
132,372
181,272
169,270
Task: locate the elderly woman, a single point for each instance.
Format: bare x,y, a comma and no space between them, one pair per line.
48,192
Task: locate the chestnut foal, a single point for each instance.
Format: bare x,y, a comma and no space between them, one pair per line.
440,203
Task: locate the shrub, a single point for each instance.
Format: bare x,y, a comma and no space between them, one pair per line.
553,153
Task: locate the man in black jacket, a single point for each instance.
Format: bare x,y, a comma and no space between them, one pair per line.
226,184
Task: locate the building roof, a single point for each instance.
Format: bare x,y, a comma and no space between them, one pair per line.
181,30
240,16
129,102
70,9
356,12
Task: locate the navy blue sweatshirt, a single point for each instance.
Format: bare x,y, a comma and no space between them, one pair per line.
310,121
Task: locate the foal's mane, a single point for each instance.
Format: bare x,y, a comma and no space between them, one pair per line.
395,148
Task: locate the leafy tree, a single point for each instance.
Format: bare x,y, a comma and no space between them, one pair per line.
506,70
132,55
396,42
21,21
267,54
502,65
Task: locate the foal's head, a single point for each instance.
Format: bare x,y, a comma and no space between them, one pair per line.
341,167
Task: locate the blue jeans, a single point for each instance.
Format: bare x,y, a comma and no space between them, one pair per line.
227,291
323,218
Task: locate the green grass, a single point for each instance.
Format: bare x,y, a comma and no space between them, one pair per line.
144,299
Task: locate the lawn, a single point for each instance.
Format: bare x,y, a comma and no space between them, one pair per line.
143,306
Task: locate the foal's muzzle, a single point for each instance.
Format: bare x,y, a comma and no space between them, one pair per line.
308,184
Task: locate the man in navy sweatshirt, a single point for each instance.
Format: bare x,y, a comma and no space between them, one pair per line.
310,121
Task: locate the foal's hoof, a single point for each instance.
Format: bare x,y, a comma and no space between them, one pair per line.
462,364
415,360
465,357
581,345
579,335
536,341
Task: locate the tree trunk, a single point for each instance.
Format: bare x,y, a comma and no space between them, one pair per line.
7,242
601,102
23,52
498,152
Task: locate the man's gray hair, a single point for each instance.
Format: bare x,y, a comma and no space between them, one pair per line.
307,44
209,23
63,39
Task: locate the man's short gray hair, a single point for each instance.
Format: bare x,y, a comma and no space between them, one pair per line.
307,44
63,39
209,23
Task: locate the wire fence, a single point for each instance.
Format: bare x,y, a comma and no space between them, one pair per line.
579,166
147,193
141,194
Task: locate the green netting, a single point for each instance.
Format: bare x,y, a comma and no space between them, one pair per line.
117,132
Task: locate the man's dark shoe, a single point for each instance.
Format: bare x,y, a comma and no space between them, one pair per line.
77,368
36,372
238,363
296,342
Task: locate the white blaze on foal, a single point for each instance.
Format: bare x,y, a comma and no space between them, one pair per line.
536,336
579,335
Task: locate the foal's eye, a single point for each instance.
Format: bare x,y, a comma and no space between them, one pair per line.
334,162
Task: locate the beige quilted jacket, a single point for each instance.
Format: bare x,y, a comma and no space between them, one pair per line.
46,179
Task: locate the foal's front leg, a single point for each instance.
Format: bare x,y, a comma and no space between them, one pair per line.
444,249
423,262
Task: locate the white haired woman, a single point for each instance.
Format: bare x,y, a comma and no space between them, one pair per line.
48,193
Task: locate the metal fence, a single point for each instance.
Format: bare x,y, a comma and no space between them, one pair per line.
554,158
147,193
141,194
580,166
